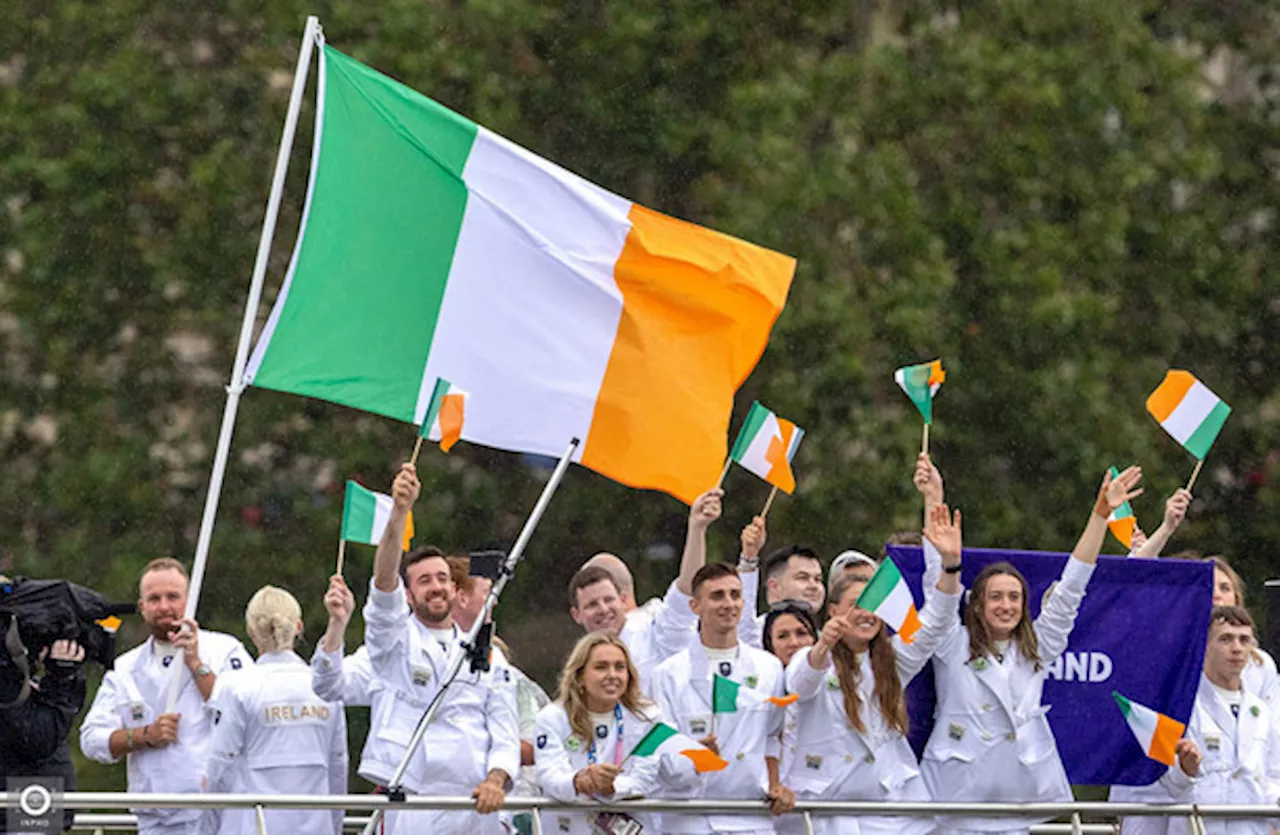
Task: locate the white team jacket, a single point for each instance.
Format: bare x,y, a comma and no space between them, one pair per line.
560,754
682,689
1241,762
833,761
475,729
273,735
991,740
658,630
134,694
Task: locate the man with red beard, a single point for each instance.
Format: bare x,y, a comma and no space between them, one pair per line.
166,749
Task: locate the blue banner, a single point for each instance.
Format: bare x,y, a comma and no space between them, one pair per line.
1141,632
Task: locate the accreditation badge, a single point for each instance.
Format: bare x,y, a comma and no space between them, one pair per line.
1213,743
421,675
698,726
137,710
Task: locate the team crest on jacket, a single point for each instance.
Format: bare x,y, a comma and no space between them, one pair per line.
752,680
168,659
235,663
833,683
726,669
542,740
602,731
572,743
1253,711
979,664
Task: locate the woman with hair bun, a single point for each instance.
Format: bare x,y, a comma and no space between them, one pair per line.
272,734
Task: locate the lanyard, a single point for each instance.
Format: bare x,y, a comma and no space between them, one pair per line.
617,742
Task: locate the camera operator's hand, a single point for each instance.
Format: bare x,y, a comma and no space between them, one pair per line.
186,637
65,656
163,732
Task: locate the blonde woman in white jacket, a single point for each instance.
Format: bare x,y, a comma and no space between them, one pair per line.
991,741
583,738
851,719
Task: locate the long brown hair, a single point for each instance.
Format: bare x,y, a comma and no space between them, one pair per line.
884,666
980,640
573,697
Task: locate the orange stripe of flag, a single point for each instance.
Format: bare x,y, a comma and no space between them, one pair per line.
910,626
450,417
407,544
704,760
1169,394
697,308
780,473
783,701
1165,739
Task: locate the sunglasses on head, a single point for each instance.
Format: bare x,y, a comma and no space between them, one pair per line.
783,605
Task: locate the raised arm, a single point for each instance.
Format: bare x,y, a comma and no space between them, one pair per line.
940,617
704,510
1112,494
1058,615
928,482
753,539
386,560
1175,510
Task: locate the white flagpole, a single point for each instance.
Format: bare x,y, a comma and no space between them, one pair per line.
310,39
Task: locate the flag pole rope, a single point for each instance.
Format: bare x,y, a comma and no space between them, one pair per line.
310,41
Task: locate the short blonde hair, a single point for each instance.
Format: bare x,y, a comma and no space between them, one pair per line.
272,618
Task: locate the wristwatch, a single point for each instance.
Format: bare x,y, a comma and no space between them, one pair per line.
203,670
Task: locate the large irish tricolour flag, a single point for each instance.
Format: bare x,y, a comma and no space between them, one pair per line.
432,248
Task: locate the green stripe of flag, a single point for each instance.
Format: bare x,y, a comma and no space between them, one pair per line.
724,695
1126,706
657,735
378,242
433,409
1201,439
755,418
880,586
359,508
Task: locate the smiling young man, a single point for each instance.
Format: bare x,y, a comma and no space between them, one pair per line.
1231,752
653,632
166,750
748,739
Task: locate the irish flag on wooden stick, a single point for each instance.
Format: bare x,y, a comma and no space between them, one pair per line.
921,383
1157,734
443,421
1122,522
765,446
888,598
663,739
365,515
432,248
728,696
1188,411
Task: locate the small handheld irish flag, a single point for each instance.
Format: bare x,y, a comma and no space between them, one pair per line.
728,696
443,421
1122,522
765,446
1157,734
365,515
662,739
888,598
1187,410
921,383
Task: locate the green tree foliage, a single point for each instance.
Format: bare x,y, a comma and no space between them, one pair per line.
1061,200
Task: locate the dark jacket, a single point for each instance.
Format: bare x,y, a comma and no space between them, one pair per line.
33,735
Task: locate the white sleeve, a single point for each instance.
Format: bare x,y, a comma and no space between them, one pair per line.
1058,616
749,631
386,615
504,725
802,678
230,655
939,621
226,745
336,679
640,776
674,625
555,772
777,717
103,718
932,569
338,761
